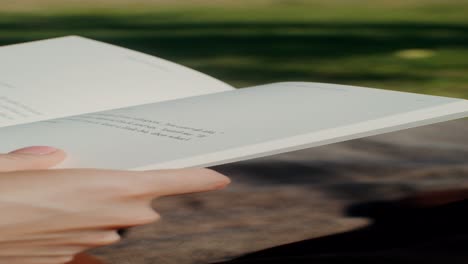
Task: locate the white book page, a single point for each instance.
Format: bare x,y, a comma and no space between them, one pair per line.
229,126
73,75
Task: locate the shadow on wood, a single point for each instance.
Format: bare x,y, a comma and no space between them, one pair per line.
426,228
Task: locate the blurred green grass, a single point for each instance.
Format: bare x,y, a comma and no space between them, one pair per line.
420,47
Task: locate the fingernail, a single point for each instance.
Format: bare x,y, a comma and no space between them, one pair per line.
36,150
222,184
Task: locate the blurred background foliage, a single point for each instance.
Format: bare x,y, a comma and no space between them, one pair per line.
410,45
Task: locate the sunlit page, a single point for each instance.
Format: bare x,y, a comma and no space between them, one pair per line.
232,125
73,75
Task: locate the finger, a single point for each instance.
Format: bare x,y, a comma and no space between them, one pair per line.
107,216
39,250
31,158
86,238
182,181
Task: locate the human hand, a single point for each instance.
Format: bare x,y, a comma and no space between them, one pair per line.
48,216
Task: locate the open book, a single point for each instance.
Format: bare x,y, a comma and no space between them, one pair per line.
111,107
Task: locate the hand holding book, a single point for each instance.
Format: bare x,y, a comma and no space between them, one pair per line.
51,215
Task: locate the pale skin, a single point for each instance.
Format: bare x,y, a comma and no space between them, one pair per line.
50,215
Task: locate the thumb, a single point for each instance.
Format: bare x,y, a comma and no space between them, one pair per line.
31,158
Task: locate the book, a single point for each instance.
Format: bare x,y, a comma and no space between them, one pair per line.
111,107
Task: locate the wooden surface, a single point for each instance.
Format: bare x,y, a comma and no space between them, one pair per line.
297,196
